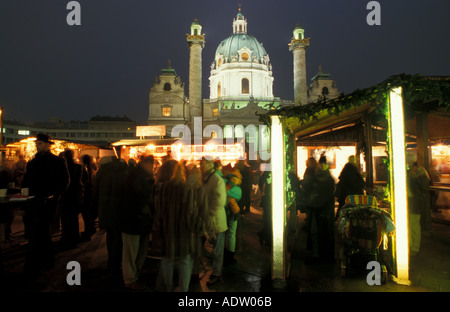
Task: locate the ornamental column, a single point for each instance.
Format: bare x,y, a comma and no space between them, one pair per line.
298,47
196,43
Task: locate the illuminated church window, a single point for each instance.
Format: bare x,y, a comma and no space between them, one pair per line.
167,111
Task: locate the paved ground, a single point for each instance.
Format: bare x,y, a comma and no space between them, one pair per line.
429,271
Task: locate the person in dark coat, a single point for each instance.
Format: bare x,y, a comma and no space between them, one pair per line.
71,203
47,178
136,221
265,185
307,187
419,206
109,184
88,207
246,186
350,183
322,213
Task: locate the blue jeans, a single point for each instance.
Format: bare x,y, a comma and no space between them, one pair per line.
184,272
217,254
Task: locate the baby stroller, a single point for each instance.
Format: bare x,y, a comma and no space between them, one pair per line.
362,228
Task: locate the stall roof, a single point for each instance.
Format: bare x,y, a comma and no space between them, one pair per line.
80,144
438,126
143,142
429,95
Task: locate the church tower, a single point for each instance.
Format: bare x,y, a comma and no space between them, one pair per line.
241,68
298,47
167,100
196,43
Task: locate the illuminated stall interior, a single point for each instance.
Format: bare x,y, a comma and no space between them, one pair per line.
227,152
377,125
27,149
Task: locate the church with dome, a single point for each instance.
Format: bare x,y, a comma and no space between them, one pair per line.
240,83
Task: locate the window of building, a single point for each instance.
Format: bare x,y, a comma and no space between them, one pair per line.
167,111
244,56
219,90
167,86
245,86
23,132
215,112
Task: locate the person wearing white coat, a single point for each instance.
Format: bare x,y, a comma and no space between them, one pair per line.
217,197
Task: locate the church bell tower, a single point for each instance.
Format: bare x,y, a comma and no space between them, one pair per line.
196,43
298,47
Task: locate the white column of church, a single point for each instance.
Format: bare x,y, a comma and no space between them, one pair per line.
195,80
300,85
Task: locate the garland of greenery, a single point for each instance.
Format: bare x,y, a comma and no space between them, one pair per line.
421,95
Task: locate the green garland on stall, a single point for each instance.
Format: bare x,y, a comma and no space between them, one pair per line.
421,95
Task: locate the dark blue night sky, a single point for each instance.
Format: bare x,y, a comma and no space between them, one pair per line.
107,65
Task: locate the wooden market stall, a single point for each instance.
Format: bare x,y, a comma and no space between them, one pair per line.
26,148
401,112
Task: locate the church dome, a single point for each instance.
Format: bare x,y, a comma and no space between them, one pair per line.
241,67
233,45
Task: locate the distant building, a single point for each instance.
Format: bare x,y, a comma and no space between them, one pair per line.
99,129
322,87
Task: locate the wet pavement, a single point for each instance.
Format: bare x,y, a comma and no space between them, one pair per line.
429,270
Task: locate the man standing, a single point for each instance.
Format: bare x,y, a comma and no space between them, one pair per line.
47,178
71,203
136,221
216,196
351,182
246,186
110,182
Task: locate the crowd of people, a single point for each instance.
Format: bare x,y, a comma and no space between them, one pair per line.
175,208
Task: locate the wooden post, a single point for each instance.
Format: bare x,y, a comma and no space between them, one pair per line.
368,156
422,141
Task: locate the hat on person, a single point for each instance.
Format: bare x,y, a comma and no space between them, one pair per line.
44,138
235,176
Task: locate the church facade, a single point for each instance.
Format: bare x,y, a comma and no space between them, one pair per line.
240,82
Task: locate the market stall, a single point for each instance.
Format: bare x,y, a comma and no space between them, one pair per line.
381,121
27,149
227,152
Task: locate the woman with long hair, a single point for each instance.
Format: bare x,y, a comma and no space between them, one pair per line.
174,211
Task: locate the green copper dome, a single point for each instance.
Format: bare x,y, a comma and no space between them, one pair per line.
236,42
